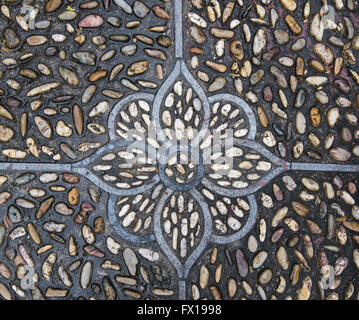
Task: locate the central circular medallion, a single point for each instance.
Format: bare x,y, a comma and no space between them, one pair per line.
180,169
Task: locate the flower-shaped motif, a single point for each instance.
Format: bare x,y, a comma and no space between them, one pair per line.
181,168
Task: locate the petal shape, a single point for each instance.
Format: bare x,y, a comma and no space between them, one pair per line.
120,168
182,227
180,108
244,168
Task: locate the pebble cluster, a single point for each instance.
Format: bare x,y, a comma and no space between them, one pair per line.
302,97
306,230
64,64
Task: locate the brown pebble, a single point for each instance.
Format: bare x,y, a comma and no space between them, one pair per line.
44,207
73,196
97,75
161,13
82,216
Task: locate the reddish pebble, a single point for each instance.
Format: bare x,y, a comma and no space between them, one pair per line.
70,178
352,188
82,216
91,21
93,251
267,94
